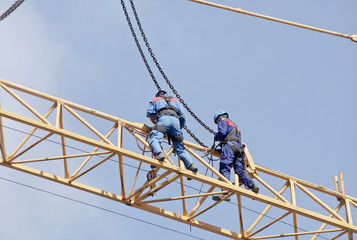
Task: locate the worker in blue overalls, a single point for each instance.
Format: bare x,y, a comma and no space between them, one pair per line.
167,115
232,152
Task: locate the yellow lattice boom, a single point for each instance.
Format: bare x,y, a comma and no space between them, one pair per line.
78,146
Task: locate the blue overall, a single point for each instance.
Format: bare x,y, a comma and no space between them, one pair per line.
173,126
228,159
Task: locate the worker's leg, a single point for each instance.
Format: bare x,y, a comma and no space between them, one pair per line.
225,165
239,168
173,129
156,136
155,141
182,153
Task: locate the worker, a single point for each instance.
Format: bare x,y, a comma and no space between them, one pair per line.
167,115
229,136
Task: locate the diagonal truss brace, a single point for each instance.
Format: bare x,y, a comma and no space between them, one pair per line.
138,196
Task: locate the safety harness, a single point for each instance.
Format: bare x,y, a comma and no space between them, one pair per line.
168,110
237,150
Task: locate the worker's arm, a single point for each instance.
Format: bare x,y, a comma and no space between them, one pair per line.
151,113
222,131
152,119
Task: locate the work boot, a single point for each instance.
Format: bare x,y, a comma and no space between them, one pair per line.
193,168
160,156
220,196
255,188
151,175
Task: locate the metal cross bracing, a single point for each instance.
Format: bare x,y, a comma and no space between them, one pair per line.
108,156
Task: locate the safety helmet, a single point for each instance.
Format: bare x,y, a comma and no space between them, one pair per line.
161,92
219,113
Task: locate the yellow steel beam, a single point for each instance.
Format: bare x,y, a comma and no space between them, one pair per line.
60,157
141,190
297,234
264,212
118,198
325,224
2,139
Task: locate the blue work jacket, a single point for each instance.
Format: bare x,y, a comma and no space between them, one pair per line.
158,103
225,126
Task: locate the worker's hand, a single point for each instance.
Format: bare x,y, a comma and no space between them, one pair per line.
153,119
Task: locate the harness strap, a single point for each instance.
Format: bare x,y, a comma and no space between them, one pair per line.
164,131
237,150
160,128
165,111
169,109
177,138
232,135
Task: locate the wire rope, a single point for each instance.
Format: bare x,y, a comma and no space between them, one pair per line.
11,9
353,37
100,208
193,188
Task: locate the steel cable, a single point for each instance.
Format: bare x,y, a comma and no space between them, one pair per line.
98,207
12,8
188,186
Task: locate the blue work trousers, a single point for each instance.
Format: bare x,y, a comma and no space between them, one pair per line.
172,125
225,166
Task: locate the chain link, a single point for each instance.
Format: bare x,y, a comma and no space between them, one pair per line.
194,137
17,3
11,9
159,67
163,73
138,45
168,81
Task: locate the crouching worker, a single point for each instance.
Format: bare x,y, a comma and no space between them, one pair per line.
232,152
167,115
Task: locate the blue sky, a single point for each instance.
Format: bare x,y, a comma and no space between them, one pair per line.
291,91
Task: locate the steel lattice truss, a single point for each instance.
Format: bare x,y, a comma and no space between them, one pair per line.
71,144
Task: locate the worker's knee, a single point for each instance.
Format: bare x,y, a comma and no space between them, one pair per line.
177,138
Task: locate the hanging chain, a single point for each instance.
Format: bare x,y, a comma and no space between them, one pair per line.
138,45
168,81
17,3
194,137
159,67
163,73
11,9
